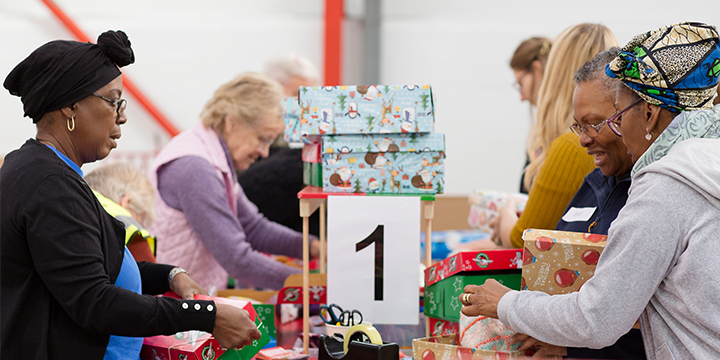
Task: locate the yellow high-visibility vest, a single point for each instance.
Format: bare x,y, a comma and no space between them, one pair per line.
132,226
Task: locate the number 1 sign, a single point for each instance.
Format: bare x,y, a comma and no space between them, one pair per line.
374,256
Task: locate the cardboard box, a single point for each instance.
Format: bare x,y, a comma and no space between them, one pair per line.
384,164
446,348
191,345
446,280
559,262
504,259
374,109
441,299
312,174
440,327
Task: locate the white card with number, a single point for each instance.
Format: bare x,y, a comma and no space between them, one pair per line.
373,256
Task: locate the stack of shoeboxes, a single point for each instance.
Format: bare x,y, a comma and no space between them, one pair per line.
559,262
368,139
446,280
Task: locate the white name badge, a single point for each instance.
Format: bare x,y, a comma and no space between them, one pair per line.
579,214
373,256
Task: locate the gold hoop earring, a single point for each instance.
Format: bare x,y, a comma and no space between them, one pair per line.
71,127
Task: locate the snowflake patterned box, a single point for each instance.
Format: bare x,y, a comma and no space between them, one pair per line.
559,262
384,164
446,348
374,109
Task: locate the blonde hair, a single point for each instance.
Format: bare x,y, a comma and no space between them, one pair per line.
535,48
119,179
247,98
570,50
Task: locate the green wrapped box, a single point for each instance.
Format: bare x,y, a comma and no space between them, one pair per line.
442,298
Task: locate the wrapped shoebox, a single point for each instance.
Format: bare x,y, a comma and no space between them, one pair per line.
189,345
384,164
484,207
446,348
446,280
443,327
312,164
374,109
559,262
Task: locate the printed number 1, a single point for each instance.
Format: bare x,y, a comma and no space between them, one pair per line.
376,237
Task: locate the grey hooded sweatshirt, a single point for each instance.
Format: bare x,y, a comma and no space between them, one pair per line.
661,265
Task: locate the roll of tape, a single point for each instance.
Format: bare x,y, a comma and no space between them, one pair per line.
363,333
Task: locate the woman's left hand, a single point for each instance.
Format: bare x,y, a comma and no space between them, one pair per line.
482,300
186,287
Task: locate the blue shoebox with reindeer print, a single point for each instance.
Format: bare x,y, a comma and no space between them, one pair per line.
411,163
354,109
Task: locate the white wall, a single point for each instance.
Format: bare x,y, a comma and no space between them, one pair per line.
185,49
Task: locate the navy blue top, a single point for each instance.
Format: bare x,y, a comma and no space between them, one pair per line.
607,194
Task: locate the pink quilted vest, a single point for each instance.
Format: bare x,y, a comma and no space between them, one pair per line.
177,243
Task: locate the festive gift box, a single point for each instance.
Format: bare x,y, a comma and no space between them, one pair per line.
559,262
312,164
384,164
374,109
446,348
484,206
442,327
501,259
446,280
189,345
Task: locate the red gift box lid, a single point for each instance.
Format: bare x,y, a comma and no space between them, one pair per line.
502,259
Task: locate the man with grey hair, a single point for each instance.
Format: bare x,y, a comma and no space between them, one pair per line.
292,71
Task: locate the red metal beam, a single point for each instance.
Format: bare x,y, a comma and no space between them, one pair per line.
127,83
333,42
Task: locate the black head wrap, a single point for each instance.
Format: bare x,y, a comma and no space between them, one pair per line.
63,72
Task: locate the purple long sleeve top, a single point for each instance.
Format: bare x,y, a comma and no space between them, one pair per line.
190,184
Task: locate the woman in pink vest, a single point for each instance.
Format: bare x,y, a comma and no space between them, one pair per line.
205,223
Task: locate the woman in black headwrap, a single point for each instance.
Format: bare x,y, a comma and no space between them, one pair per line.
68,282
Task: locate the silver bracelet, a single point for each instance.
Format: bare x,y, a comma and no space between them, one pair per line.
176,270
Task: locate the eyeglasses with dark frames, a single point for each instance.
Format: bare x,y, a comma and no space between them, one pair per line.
120,105
614,121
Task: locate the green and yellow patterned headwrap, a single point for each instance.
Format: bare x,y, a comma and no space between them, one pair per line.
675,67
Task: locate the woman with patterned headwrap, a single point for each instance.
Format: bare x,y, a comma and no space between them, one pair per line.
662,255
69,287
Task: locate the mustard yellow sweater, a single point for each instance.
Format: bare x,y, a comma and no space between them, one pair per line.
557,181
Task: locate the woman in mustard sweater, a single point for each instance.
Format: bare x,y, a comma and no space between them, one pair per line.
558,164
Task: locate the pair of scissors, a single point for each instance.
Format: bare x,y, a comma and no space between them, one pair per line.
347,317
334,313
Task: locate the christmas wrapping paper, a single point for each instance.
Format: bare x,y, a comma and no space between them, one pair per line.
503,259
446,348
559,262
384,164
185,345
442,298
312,174
373,109
484,206
443,327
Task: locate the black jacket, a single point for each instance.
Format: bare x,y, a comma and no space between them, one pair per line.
60,255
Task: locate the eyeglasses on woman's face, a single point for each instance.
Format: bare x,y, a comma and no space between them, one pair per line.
615,120
589,130
120,104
